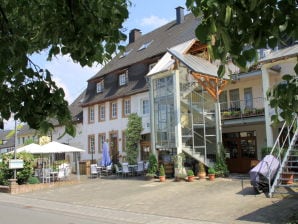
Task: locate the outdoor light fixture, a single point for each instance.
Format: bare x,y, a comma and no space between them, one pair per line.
3,142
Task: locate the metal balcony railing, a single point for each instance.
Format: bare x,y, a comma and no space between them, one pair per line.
242,108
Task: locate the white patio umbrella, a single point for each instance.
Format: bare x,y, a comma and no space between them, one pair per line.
56,147
31,148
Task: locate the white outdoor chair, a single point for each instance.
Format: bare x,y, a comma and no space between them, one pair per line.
118,170
125,169
140,168
93,170
46,175
146,166
108,170
61,173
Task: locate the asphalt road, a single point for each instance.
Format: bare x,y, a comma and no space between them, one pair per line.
134,200
11,213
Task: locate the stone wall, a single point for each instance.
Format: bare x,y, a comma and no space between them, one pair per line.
14,188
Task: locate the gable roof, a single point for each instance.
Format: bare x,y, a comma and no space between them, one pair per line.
76,109
284,53
161,39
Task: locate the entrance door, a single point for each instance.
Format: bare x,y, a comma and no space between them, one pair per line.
114,147
242,151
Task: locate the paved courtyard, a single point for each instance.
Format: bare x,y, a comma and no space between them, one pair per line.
135,200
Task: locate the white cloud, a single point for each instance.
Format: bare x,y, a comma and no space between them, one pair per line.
153,21
70,76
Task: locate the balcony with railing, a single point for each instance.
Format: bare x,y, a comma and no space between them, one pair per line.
242,109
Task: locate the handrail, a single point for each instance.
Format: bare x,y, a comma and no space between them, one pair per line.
287,138
280,156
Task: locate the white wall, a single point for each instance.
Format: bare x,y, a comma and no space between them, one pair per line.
108,125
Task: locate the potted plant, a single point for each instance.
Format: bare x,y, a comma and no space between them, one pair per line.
162,176
211,173
202,171
152,168
190,176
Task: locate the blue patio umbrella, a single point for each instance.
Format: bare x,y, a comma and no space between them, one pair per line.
106,160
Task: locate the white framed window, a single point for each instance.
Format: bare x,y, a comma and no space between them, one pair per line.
91,114
101,140
125,53
113,110
234,98
248,99
126,107
91,143
145,107
102,112
223,99
123,79
145,45
100,86
151,66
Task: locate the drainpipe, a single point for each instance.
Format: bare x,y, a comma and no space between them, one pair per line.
218,122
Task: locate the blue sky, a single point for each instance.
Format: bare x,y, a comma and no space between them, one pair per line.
145,15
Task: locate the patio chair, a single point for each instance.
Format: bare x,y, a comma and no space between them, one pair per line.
61,173
108,170
140,168
46,175
118,170
125,169
146,166
93,171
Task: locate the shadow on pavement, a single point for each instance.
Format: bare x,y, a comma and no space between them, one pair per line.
247,191
280,212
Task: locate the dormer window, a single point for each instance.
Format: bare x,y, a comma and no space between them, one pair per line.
151,66
123,78
146,45
125,53
100,86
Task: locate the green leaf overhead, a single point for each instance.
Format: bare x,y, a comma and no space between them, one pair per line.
234,30
88,31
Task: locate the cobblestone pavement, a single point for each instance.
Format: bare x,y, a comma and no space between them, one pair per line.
135,200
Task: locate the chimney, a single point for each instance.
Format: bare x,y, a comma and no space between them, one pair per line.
179,14
134,35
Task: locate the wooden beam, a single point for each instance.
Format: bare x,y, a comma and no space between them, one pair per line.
212,85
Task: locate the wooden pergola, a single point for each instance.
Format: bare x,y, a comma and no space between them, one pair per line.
213,85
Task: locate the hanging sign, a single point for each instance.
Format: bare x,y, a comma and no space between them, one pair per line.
16,164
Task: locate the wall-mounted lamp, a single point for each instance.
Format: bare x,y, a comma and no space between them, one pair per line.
3,142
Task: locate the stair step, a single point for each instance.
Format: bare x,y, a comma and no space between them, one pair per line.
288,167
287,185
200,147
289,173
287,193
284,178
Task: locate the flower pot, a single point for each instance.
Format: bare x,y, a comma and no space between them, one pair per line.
162,178
202,175
211,177
288,178
191,178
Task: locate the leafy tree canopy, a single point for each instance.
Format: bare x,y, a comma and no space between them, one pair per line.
88,31
235,29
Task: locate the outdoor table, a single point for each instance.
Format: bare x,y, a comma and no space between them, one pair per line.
133,168
54,175
99,170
